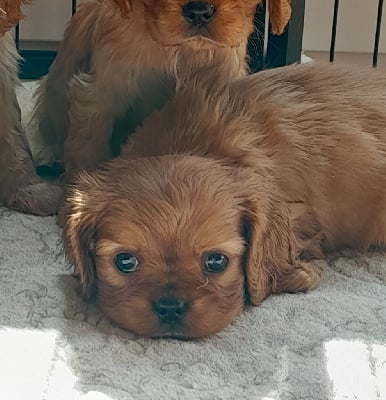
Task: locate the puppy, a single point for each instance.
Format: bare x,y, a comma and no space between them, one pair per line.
20,187
198,213
122,59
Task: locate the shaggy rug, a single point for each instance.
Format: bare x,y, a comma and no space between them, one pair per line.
327,344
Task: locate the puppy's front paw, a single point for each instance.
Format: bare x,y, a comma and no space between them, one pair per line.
309,276
61,218
302,278
39,198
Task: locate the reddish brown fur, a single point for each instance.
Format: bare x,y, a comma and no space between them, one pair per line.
169,265
11,14
189,206
124,6
279,15
279,12
281,165
233,23
131,55
20,187
326,141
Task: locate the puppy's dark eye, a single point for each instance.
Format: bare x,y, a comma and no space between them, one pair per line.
215,262
126,262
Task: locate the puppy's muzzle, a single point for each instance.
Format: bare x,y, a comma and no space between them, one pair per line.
170,310
198,13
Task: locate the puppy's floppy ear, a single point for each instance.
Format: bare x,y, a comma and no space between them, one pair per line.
270,265
81,212
124,6
10,13
279,15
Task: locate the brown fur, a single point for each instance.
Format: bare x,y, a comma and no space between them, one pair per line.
279,15
10,14
279,11
119,61
20,187
281,165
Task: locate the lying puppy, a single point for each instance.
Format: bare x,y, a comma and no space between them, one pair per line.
20,187
198,207
122,59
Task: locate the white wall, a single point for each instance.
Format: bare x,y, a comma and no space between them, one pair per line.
46,20
356,25
356,28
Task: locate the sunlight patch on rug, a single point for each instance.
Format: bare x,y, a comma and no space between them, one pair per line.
29,357
357,369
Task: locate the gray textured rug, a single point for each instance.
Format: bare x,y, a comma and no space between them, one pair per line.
328,344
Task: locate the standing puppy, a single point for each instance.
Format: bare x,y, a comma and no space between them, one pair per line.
20,187
122,59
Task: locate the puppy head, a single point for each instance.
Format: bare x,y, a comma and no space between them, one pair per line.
222,22
10,14
169,244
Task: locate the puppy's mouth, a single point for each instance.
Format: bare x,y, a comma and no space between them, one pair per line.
171,331
175,336
198,42
204,40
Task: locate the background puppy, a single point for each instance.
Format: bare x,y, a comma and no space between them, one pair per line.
198,207
122,59
20,187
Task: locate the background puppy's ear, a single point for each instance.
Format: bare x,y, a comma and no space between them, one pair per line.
13,13
124,6
80,211
270,265
279,15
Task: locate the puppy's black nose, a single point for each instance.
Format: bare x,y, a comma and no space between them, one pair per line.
170,309
198,13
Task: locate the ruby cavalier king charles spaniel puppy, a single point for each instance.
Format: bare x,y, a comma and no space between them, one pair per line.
225,195
20,188
122,59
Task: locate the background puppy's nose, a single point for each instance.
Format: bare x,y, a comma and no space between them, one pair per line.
170,309
198,13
